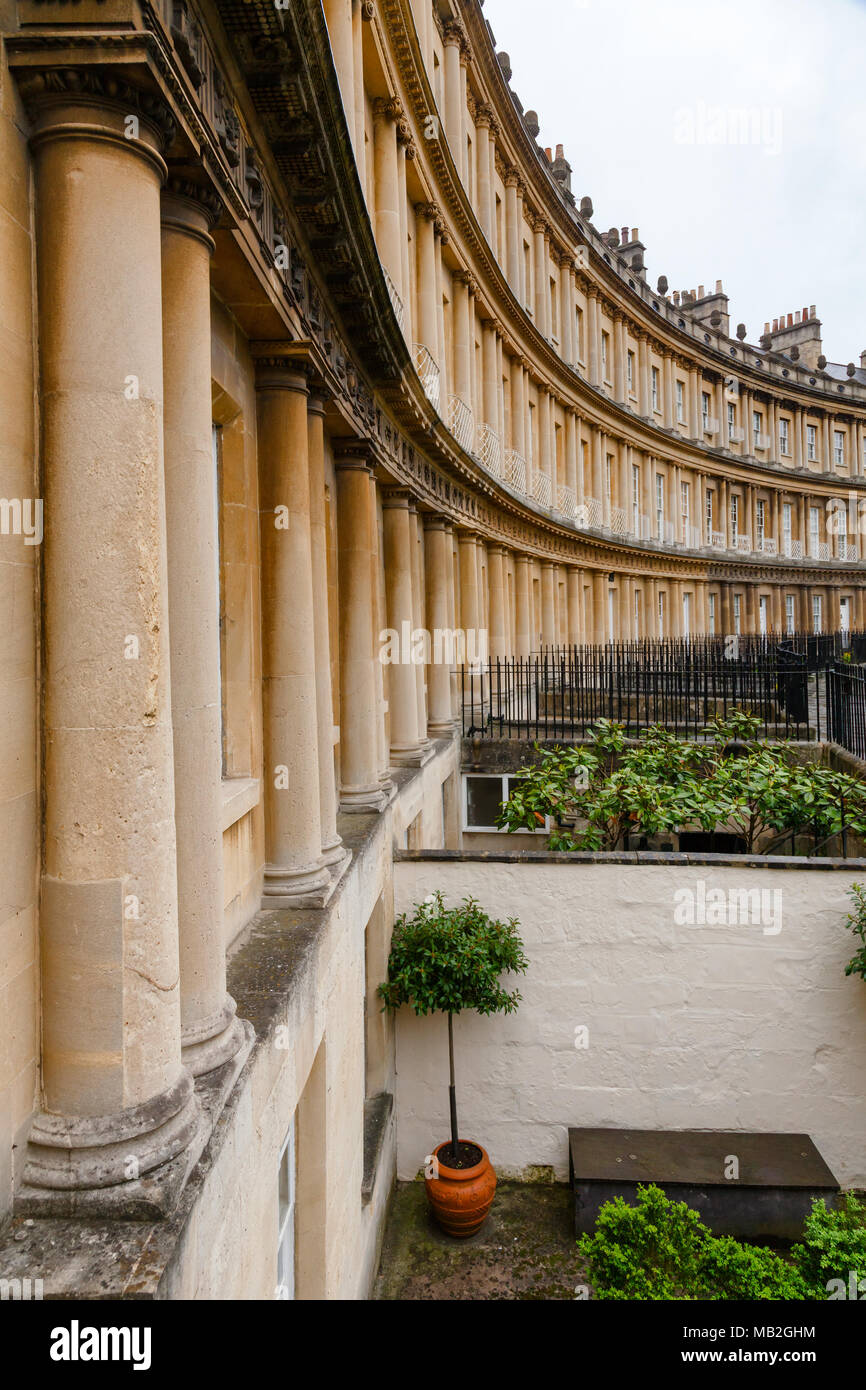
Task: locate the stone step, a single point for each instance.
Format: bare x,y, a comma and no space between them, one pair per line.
754,1186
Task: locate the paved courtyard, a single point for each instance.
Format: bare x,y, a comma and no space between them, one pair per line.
524,1250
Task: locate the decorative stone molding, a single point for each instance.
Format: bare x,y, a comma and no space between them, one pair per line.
40,88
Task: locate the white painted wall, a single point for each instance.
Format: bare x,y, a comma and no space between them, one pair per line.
713,1027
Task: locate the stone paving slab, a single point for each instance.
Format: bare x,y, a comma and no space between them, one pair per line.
525,1249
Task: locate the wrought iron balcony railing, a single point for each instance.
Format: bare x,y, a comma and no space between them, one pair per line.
428,370
461,422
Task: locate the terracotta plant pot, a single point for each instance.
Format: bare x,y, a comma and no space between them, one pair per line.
461,1197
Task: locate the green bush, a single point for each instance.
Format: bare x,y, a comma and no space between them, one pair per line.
598,793
833,1246
661,1250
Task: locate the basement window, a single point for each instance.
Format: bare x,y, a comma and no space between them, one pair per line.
483,795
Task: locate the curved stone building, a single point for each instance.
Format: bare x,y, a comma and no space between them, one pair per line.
305,341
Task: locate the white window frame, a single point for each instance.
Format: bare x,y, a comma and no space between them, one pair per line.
735,518
839,446
814,532
757,426
286,1203
681,415
709,494
784,437
789,614
737,613
763,615
711,614
685,513
654,387
817,613
760,522
660,507
705,408
811,442
629,367
732,420
635,499
503,779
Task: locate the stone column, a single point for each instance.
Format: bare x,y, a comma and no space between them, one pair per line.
428,317
462,320
499,644
518,408
548,604
542,279
416,540
668,391
359,753
482,151
491,374
620,387
576,628
439,574
523,605
645,401
338,17
116,1100
210,1033
386,112
566,311
333,850
402,693
594,346
453,40
512,227
295,871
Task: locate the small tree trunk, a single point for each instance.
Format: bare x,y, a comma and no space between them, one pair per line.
452,1093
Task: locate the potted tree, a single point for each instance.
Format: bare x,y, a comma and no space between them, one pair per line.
444,960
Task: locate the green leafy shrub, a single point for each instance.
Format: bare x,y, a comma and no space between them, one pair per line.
834,1245
660,1250
599,793
856,921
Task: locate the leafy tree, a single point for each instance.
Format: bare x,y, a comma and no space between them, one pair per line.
597,794
447,959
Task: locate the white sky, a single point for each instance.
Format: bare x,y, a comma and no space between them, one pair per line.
781,222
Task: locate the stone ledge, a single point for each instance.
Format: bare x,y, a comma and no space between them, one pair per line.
377,1114
645,858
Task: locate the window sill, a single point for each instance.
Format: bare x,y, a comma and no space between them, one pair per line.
240,795
377,1113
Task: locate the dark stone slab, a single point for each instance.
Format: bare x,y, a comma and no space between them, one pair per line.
778,1176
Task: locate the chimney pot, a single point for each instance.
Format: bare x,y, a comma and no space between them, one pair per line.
863,361
790,320
812,311
549,154
624,233
634,234
718,287
797,316
560,153
700,291
766,328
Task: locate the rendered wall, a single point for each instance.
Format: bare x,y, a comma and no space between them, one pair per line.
708,1027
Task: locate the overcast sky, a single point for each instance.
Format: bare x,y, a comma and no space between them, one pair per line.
647,95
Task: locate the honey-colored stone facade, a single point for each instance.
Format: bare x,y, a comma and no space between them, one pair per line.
304,339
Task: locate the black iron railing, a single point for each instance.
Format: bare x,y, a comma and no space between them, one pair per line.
845,687
561,692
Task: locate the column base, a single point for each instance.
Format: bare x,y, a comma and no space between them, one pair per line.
334,852
363,800
415,756
442,728
131,1165
311,887
214,1042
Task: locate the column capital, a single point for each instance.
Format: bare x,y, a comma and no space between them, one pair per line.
397,497
454,34
191,206
56,100
281,367
388,109
352,453
435,521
